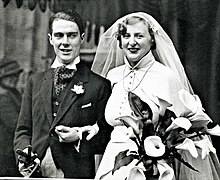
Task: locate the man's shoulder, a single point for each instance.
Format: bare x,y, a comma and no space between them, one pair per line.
98,78
41,74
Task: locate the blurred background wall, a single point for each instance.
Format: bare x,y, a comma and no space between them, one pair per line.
193,25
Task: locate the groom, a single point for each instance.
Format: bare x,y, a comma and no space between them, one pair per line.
62,114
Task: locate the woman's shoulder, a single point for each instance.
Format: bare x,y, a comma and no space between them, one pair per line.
164,71
116,74
116,71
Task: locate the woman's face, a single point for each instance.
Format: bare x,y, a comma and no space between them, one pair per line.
136,42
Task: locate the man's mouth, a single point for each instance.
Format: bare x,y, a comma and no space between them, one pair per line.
66,50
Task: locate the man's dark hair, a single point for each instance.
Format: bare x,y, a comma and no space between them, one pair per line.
69,15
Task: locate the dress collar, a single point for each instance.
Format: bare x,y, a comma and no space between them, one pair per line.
145,62
71,65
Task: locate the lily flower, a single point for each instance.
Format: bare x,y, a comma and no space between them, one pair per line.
137,173
190,102
214,131
166,172
195,112
163,106
131,122
206,146
188,145
179,122
153,146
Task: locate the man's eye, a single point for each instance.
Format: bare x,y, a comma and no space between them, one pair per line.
73,35
58,35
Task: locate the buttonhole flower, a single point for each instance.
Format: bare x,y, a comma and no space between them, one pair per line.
78,88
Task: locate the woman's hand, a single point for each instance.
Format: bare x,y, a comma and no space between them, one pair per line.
67,134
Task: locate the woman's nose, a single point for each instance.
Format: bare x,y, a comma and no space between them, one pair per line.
132,41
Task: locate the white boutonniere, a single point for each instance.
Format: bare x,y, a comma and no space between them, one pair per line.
78,88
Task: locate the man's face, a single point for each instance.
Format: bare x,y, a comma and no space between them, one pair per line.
66,40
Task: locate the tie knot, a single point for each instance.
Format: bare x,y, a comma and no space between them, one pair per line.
64,73
62,76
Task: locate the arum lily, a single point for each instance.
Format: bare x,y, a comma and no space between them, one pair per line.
179,122
214,131
163,106
137,173
189,101
131,122
166,172
206,146
200,115
188,145
154,146
130,133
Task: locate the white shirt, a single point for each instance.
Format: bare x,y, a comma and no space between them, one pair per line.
71,65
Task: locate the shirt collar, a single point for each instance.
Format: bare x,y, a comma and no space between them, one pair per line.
146,61
71,65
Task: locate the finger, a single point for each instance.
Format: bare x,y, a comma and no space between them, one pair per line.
62,128
91,134
22,159
33,157
21,153
61,139
85,128
29,154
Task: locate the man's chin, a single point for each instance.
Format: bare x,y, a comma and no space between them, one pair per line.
67,60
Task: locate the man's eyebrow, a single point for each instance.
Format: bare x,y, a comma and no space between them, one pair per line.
74,32
58,33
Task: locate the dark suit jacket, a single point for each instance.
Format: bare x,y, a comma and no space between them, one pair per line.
36,124
10,103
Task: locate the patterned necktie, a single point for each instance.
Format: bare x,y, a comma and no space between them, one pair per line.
62,76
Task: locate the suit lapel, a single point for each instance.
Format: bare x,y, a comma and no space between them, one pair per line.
70,97
47,88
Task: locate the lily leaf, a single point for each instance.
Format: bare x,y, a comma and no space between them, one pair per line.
131,122
172,137
163,123
179,158
148,129
141,109
135,104
122,159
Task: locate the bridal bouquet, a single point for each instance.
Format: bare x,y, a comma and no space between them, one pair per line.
159,143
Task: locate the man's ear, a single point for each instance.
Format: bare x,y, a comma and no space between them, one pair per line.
50,39
82,37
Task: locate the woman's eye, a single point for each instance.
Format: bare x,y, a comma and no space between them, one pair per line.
126,36
140,36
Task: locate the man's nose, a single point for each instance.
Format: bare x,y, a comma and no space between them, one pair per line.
65,40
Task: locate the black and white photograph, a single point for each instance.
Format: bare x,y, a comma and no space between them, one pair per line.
110,89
